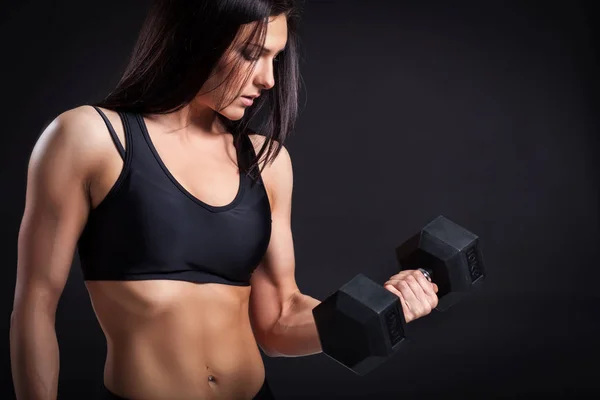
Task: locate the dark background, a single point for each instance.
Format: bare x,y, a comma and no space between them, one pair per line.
483,111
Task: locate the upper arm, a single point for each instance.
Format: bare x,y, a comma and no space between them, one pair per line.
56,207
273,282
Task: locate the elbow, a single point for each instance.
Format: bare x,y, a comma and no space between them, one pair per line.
268,349
24,316
267,343
16,317
270,352
15,327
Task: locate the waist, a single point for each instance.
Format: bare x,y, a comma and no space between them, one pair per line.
232,369
172,339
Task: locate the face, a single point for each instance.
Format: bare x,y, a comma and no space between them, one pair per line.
259,78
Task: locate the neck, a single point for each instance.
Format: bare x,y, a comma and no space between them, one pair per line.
192,119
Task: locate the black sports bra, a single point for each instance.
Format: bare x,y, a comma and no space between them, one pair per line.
150,227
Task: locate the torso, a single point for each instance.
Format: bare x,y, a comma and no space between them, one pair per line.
175,339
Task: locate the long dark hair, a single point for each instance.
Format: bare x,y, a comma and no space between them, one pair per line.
180,44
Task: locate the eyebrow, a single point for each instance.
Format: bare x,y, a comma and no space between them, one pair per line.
264,49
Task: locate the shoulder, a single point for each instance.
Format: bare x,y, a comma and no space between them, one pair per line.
278,174
283,158
78,126
78,135
281,164
84,116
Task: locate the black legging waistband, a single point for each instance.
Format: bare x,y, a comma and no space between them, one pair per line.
264,393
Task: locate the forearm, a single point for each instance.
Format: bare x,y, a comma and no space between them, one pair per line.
295,333
34,355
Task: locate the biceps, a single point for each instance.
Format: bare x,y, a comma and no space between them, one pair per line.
56,208
273,282
45,252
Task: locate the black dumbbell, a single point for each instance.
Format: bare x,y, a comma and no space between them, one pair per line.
362,324
450,255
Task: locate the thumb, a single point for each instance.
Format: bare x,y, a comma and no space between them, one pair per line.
435,287
392,289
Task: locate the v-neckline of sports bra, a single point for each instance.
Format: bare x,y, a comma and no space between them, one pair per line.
232,204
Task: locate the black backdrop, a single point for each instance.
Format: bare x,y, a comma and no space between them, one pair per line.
482,111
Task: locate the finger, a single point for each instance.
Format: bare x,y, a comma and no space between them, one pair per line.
425,293
394,280
422,279
399,284
408,316
422,305
401,275
426,285
393,289
425,273
409,295
430,289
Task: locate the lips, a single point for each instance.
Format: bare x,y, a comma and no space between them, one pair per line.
248,101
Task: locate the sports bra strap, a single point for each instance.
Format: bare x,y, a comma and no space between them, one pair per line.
113,134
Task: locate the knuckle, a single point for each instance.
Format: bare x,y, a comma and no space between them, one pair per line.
434,302
424,281
420,309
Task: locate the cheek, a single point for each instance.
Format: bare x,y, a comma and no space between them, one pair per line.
225,85
211,92
212,87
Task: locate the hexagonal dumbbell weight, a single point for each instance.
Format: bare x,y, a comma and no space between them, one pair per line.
362,324
450,254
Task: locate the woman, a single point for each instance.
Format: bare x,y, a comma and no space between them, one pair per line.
180,213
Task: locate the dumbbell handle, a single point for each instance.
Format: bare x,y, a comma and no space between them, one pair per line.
427,273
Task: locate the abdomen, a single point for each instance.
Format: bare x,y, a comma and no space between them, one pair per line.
166,338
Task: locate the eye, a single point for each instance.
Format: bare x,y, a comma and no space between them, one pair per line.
250,53
249,56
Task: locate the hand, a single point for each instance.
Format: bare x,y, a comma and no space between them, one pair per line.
417,295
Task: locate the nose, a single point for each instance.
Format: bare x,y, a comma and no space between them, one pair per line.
265,76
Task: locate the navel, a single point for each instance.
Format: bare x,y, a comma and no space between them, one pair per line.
211,377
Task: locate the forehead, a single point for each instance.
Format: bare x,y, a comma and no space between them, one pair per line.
276,33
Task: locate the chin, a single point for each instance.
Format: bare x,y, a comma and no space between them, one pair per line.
233,113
